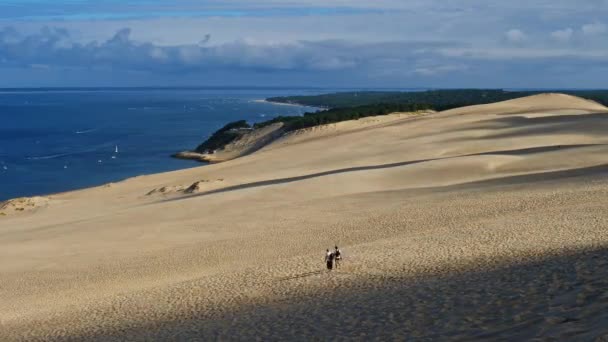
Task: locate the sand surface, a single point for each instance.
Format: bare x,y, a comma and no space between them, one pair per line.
487,222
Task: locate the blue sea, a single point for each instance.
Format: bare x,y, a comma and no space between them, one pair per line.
54,140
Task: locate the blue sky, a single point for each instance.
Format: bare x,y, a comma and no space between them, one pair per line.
339,43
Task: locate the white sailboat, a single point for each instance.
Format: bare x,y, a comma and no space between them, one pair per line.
115,151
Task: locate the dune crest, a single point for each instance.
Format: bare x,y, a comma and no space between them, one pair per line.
535,103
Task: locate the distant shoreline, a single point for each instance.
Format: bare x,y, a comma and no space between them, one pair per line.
73,159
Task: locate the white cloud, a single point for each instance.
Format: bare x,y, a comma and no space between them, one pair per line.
281,38
55,47
594,28
515,36
562,35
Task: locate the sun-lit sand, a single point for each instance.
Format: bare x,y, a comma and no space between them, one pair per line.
487,222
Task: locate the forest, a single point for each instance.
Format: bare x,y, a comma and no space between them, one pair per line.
437,99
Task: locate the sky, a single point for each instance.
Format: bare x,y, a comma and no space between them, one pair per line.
316,43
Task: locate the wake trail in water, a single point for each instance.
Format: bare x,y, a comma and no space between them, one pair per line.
86,131
52,156
96,148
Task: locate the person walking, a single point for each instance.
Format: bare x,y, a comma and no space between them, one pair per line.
337,256
329,260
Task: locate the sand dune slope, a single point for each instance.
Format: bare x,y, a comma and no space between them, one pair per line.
486,222
541,103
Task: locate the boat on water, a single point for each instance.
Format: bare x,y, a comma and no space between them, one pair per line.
115,151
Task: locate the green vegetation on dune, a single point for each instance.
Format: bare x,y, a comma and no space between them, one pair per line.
334,115
438,99
224,136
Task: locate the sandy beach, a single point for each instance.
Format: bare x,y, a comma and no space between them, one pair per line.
479,223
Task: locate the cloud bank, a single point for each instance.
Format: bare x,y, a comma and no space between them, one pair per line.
53,47
441,43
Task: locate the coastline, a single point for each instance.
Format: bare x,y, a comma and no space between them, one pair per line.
290,104
277,103
103,173
247,143
79,149
258,140
200,157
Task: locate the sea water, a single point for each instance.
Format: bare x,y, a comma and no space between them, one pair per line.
58,140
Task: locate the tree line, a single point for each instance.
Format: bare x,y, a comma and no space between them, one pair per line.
438,99
333,115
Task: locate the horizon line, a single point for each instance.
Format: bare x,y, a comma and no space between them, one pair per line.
227,87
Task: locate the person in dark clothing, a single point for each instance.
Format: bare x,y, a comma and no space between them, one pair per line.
329,260
337,256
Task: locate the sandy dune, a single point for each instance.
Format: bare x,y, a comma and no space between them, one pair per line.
486,222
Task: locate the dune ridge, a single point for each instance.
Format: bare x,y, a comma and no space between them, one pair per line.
483,222
530,104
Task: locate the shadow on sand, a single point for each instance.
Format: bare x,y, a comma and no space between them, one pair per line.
522,126
524,151
557,297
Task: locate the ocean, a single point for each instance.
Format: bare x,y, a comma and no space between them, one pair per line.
55,140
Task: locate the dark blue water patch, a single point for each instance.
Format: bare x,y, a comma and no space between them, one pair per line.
55,141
